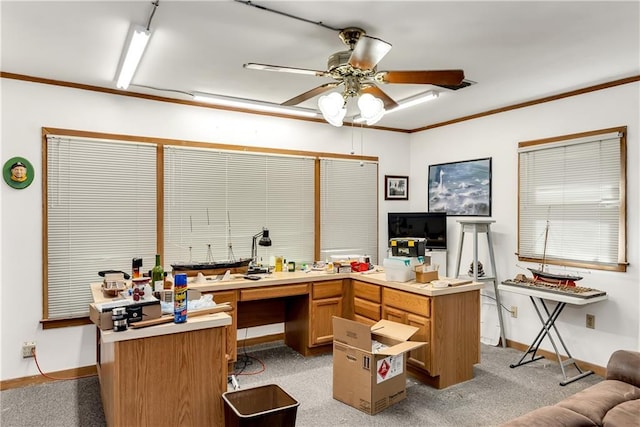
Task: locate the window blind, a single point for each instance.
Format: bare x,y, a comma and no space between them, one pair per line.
349,208
101,212
571,192
219,200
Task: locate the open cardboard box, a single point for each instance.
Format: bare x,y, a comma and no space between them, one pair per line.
143,310
367,380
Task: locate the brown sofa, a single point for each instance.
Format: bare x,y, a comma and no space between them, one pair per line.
614,402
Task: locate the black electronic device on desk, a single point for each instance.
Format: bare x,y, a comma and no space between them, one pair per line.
431,226
410,247
254,269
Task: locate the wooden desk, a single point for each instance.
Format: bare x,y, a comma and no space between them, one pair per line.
447,318
548,320
164,375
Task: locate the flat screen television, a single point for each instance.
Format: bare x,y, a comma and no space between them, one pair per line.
432,226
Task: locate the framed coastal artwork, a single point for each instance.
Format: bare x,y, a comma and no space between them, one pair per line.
460,188
396,187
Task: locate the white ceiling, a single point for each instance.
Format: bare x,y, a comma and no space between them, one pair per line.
515,51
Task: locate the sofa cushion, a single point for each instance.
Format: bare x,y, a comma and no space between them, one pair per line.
550,416
594,402
625,414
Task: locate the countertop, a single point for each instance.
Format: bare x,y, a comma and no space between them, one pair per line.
376,276
192,324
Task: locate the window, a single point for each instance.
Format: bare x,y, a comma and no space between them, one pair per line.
223,198
572,208
110,198
101,211
349,208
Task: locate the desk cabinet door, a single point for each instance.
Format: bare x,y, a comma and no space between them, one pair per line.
393,314
231,342
322,312
420,357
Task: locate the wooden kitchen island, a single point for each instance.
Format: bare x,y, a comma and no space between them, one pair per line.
164,375
448,319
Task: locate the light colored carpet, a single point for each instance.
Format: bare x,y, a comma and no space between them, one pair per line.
496,394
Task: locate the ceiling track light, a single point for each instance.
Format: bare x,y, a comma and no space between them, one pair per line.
229,101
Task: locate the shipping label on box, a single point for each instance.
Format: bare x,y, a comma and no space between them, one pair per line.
389,367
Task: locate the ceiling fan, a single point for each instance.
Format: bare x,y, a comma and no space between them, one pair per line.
356,70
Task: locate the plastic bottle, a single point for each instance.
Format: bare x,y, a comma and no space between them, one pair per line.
180,298
157,276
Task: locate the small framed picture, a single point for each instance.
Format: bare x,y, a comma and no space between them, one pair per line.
396,187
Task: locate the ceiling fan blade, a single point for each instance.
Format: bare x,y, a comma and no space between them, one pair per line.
311,93
379,93
267,67
368,52
437,77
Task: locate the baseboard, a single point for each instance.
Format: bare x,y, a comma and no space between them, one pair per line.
67,374
585,366
260,340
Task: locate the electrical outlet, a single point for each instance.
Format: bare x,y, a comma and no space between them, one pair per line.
591,321
514,311
28,348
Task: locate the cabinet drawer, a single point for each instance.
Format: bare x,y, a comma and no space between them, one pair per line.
413,303
366,308
366,291
328,289
273,292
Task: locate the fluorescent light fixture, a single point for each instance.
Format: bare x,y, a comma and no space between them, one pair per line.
137,45
415,100
249,104
333,108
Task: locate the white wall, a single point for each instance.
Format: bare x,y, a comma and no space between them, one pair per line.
497,136
27,107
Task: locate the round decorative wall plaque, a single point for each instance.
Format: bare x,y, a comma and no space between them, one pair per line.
18,172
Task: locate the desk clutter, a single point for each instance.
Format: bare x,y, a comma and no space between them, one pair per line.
134,303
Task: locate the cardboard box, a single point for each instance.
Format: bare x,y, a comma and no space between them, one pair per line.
136,313
424,274
367,380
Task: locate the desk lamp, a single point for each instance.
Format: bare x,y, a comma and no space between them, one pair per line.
264,241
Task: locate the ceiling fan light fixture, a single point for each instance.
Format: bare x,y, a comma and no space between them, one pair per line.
332,107
137,44
371,108
415,100
249,104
